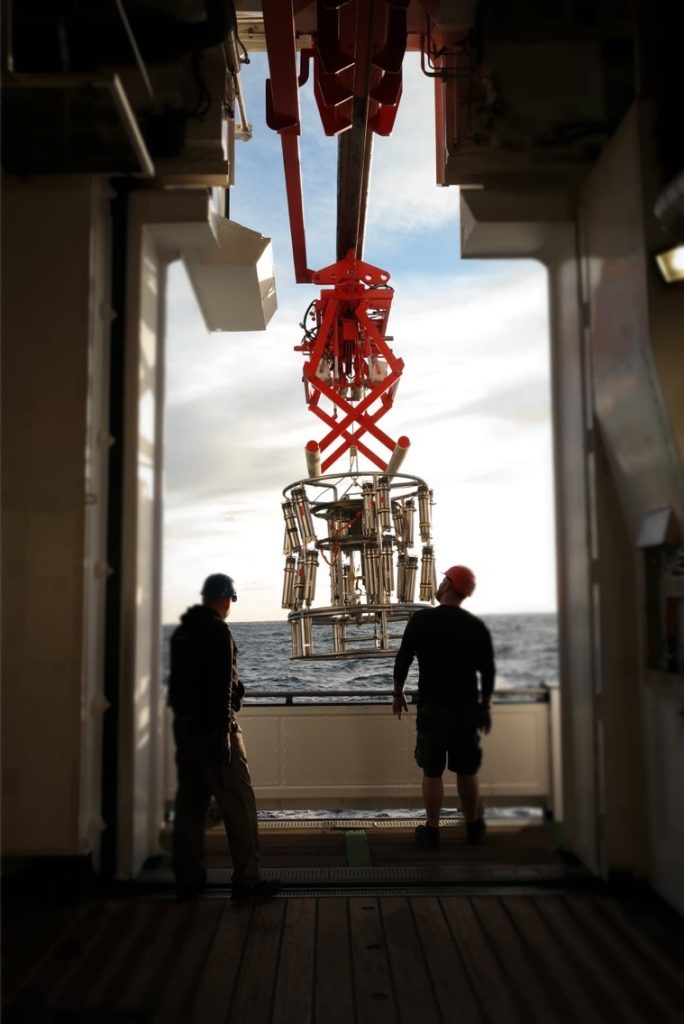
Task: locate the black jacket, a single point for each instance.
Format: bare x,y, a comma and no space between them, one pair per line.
453,649
203,680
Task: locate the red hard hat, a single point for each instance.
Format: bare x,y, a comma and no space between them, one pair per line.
461,579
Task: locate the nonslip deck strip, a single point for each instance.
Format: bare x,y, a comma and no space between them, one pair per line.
356,843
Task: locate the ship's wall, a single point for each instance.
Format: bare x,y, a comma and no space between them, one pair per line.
54,337
160,225
141,571
617,380
508,224
634,329
575,542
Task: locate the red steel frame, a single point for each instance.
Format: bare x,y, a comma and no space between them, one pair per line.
357,53
348,359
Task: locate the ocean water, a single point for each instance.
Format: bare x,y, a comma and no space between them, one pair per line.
525,648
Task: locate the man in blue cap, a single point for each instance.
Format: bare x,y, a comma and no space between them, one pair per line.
205,693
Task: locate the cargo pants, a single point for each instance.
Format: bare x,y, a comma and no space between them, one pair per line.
204,769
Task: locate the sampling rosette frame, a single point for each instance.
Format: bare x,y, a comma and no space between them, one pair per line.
373,533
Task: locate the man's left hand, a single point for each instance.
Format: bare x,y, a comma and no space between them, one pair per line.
236,694
485,719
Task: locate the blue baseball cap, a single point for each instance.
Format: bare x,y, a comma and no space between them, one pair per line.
218,586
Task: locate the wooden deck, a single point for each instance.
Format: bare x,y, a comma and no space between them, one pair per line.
366,931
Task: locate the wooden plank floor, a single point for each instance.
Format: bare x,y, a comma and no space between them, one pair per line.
356,958
368,955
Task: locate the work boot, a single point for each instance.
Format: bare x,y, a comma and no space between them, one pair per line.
186,891
264,889
476,830
427,836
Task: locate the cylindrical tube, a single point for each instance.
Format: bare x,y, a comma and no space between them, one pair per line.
291,526
299,581
411,573
424,512
383,506
312,454
388,564
398,455
302,513
401,576
349,581
287,543
338,528
398,520
288,582
368,519
295,640
336,583
372,574
310,568
426,574
408,518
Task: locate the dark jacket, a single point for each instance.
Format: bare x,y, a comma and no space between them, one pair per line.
203,682
453,648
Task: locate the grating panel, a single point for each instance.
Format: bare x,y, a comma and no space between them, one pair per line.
421,874
268,824
407,890
299,823
438,874
345,823
447,874
219,876
301,875
356,891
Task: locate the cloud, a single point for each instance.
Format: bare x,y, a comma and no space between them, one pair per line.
404,196
525,403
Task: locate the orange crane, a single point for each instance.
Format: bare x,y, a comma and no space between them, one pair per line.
350,374
361,523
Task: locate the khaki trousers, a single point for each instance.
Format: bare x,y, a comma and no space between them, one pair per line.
204,770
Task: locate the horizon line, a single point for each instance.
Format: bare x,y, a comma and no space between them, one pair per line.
236,622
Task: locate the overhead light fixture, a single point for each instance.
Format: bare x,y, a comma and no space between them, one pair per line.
671,264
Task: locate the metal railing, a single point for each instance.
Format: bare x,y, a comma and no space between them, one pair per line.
289,698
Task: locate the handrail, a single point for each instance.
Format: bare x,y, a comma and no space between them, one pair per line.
539,693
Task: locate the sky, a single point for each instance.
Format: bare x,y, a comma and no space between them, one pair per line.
474,397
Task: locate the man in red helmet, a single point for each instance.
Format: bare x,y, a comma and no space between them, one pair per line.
456,675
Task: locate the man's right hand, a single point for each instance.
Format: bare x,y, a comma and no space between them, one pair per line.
485,719
399,705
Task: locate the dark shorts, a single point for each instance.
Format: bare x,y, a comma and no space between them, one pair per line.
447,739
